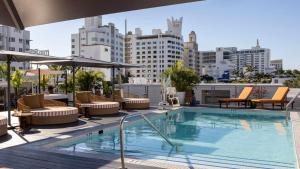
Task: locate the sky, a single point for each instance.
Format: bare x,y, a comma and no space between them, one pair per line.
217,23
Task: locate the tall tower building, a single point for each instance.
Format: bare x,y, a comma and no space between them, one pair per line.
191,54
157,51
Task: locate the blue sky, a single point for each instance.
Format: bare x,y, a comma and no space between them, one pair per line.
217,23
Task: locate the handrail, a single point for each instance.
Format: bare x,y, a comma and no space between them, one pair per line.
289,104
122,154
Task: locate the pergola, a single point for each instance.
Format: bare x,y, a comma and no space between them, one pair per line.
75,62
11,56
27,13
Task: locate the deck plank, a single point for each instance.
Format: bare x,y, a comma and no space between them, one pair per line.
33,159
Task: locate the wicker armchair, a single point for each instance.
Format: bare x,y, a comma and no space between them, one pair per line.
52,112
3,125
132,101
96,105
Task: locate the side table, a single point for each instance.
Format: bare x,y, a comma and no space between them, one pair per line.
24,121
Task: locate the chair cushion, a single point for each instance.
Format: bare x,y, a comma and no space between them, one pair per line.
34,101
54,111
136,100
101,105
84,97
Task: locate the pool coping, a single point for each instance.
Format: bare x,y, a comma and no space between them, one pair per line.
49,144
295,122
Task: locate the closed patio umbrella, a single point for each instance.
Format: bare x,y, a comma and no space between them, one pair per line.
12,56
26,13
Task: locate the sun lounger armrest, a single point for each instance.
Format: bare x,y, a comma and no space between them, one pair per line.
53,103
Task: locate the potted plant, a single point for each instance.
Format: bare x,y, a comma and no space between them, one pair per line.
183,79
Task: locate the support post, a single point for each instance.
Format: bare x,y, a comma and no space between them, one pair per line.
113,82
39,74
66,82
8,89
73,87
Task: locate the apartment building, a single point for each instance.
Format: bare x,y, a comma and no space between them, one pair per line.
191,54
157,51
95,40
216,63
277,64
257,57
13,39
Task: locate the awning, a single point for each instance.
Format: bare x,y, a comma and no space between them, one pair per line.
26,13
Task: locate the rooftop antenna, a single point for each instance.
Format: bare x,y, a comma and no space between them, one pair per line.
257,43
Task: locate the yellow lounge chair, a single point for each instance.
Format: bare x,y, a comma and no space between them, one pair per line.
278,97
243,97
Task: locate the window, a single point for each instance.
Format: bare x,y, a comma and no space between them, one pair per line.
73,46
73,40
11,48
20,40
11,39
20,50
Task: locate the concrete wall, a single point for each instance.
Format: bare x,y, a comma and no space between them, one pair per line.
153,91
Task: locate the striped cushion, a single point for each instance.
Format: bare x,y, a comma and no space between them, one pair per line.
3,121
100,105
136,100
54,111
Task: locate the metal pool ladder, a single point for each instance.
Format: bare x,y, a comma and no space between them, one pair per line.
289,104
122,134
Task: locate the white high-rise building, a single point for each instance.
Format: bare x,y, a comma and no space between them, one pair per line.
191,54
95,40
157,51
215,63
94,33
257,57
13,39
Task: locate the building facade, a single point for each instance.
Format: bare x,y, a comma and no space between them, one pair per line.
217,63
277,64
256,57
157,51
191,54
94,40
13,39
94,33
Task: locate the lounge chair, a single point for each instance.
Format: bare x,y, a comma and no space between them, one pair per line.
243,98
96,105
47,112
132,101
3,125
278,98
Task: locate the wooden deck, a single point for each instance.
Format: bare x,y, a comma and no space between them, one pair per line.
20,158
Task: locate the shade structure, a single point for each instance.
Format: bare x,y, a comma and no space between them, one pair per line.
76,61
11,56
26,13
43,72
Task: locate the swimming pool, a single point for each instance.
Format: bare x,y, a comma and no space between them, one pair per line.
205,137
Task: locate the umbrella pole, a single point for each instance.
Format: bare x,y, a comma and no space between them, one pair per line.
66,82
8,89
39,72
113,82
73,71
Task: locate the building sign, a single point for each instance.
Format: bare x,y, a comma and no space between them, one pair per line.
38,52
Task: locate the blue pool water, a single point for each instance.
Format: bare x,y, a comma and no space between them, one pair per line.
204,137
